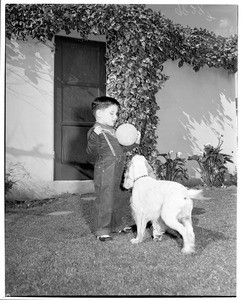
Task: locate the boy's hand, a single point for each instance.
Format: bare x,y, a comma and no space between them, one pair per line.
138,138
98,130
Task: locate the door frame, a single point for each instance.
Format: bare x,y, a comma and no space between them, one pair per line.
55,125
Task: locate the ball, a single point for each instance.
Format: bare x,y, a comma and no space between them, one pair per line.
126,134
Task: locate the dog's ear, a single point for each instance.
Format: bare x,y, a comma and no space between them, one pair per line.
128,177
150,170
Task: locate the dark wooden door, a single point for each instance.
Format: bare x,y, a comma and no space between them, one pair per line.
80,76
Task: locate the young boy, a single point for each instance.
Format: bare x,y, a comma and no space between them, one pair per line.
107,155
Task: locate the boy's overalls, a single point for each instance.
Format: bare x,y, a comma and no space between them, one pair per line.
108,159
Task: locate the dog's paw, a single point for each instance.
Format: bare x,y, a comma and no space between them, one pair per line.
157,238
188,250
135,241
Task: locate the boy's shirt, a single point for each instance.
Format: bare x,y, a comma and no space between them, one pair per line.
98,146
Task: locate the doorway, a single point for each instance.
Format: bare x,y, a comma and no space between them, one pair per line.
79,77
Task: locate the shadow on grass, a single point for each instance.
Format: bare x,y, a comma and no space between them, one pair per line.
87,208
203,236
198,211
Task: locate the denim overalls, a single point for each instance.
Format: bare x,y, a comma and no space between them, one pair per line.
107,155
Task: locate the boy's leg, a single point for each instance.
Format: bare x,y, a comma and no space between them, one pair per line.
121,200
104,186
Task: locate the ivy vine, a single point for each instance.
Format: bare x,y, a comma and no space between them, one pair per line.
139,41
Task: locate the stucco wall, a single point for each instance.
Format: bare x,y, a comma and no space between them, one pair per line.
195,109
29,106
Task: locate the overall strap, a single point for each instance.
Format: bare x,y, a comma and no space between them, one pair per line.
108,142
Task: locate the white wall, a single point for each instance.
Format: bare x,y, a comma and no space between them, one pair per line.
29,117
195,109
29,107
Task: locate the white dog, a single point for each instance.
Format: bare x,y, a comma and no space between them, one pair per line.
164,203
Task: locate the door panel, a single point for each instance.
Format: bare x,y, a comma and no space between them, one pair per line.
79,77
75,109
87,59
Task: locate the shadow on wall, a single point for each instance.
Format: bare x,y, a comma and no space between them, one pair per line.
195,109
32,57
35,152
29,104
29,77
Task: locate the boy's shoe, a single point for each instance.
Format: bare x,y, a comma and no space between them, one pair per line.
133,228
127,229
104,238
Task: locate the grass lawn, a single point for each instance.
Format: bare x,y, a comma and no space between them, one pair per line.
50,251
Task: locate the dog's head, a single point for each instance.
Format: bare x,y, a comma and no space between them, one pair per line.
138,166
129,176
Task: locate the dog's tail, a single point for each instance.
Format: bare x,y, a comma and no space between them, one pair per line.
197,194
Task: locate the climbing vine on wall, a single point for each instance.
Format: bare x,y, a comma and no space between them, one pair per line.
139,41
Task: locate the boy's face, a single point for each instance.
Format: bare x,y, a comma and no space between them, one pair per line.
108,115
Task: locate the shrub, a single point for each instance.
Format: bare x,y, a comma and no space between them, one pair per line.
212,164
9,183
234,177
172,169
15,172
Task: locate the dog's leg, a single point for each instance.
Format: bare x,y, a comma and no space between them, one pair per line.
187,222
141,227
185,217
172,222
159,228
